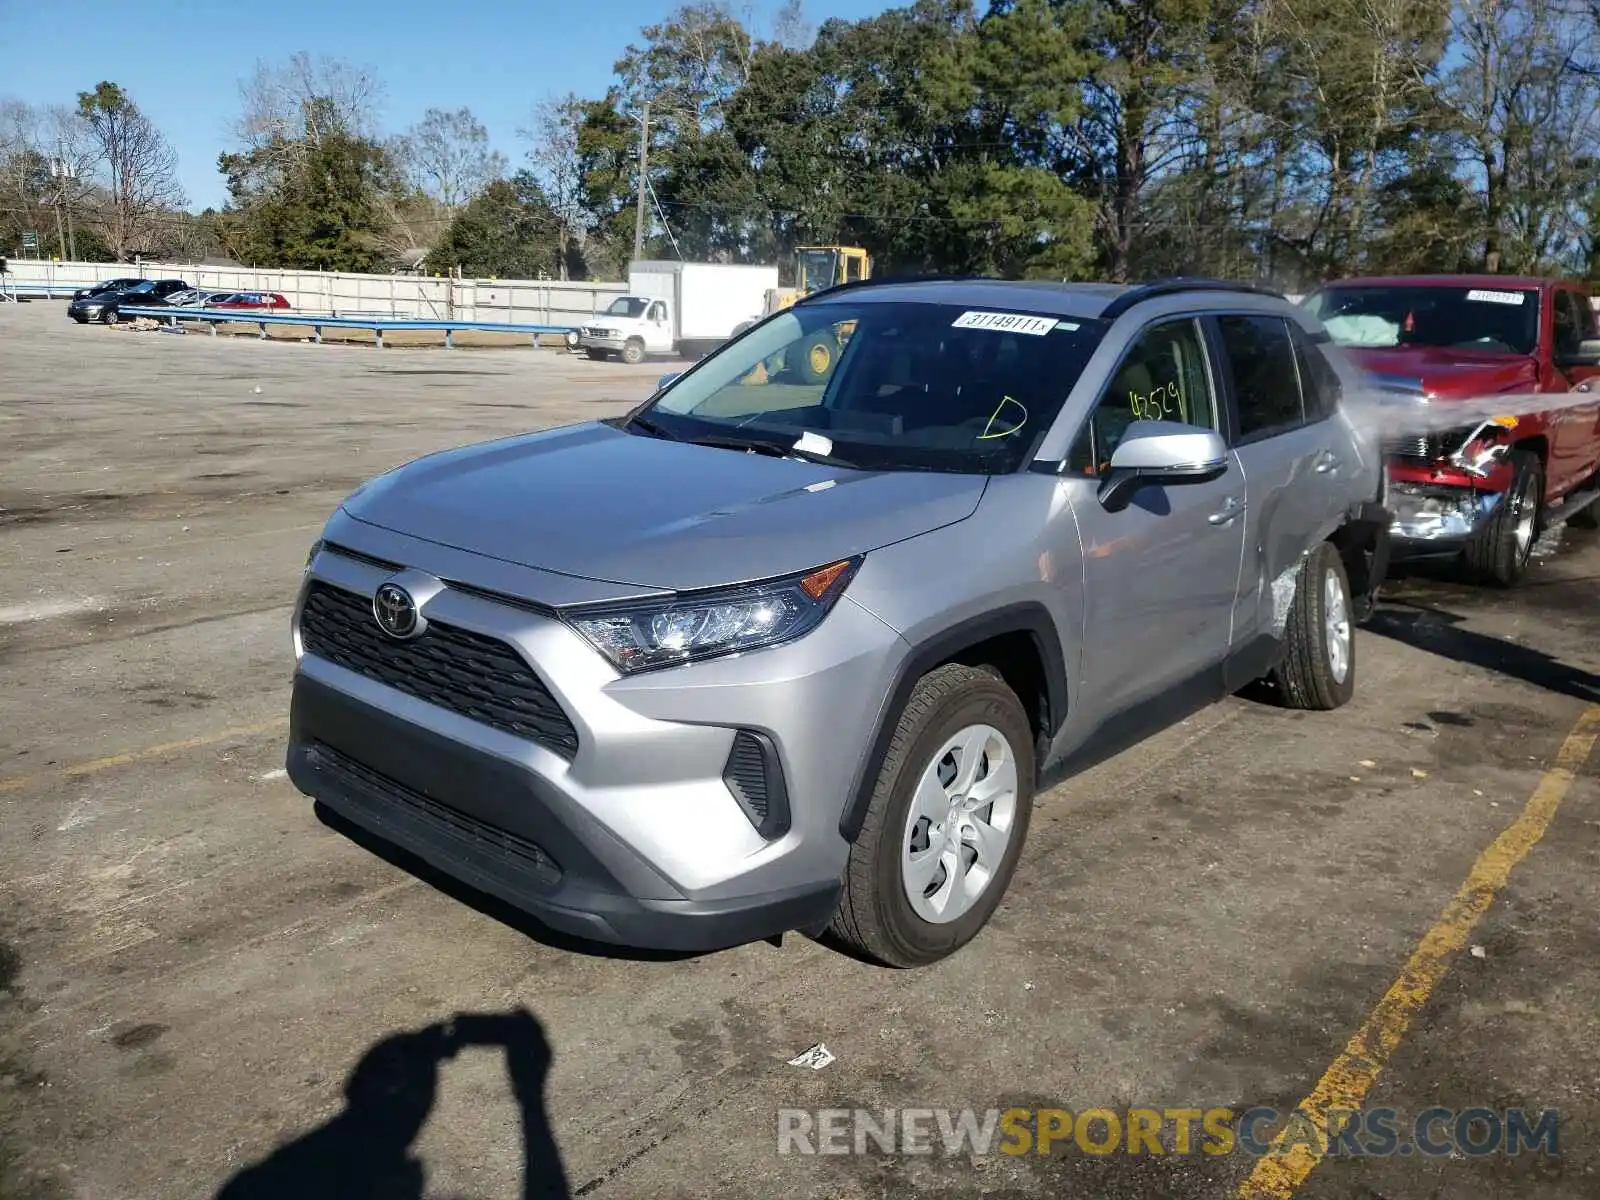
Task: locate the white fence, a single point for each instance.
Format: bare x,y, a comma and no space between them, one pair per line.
527,301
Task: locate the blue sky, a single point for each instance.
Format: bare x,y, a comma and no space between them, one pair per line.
182,60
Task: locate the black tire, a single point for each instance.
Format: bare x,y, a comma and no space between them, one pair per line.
875,916
1499,554
108,316
1308,676
633,352
817,357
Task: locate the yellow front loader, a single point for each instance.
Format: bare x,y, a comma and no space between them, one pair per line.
818,267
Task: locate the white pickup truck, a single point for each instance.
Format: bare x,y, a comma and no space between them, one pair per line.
677,308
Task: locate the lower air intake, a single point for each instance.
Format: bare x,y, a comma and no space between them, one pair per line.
755,777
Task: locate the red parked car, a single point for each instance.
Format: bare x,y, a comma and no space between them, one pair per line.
1485,489
252,300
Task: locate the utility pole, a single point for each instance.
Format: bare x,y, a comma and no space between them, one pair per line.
644,162
63,169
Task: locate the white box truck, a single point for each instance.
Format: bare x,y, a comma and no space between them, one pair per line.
677,307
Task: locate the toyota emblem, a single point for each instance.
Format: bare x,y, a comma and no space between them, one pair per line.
395,611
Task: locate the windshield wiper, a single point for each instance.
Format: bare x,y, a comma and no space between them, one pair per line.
653,429
775,447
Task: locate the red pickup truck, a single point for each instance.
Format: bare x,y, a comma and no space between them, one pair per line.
1486,488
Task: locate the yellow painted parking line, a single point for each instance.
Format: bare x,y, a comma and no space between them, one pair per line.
1347,1081
96,765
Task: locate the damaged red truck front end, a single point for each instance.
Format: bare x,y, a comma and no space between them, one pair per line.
1480,464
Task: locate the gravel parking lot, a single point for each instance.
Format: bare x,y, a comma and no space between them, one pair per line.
192,966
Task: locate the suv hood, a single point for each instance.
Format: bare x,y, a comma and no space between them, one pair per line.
594,502
1451,373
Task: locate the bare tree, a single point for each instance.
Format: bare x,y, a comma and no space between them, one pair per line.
288,109
446,155
553,155
1529,115
139,166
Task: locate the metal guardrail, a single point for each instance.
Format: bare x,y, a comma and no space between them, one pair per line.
47,291
317,324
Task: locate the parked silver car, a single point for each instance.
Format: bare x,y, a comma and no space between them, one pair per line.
779,652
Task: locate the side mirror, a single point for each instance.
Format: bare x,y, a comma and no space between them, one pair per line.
1587,355
1161,452
662,383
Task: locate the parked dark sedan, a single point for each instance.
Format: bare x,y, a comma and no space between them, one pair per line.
146,293
106,285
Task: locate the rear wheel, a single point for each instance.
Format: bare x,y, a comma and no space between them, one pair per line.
1499,554
1319,658
946,821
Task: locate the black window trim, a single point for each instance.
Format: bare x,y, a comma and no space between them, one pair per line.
1219,346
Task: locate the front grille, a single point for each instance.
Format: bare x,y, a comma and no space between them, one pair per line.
509,848
755,777
467,673
1427,446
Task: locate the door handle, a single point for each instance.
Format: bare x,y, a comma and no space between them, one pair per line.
1327,461
1231,508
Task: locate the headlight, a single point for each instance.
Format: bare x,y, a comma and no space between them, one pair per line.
685,628
312,553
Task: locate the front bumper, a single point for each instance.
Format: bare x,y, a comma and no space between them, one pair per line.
458,807
1437,519
638,835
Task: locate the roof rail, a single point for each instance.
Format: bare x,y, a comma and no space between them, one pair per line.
1141,292
890,279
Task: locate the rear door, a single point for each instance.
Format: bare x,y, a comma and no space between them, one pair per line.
1288,452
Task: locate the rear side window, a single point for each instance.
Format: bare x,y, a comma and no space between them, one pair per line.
1318,380
1266,378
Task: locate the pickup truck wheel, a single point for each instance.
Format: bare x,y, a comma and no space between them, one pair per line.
1499,554
946,822
1319,659
633,352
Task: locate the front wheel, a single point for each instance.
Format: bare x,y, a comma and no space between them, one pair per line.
1500,553
108,316
1319,654
633,353
946,821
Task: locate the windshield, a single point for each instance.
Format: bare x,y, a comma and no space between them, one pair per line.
628,306
1496,320
818,269
885,386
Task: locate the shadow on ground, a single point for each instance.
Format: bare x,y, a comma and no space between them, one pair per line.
365,1150
1440,632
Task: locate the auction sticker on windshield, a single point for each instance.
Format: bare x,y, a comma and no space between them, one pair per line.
1492,297
1005,322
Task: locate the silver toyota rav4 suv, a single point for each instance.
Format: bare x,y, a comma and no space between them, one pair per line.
791,645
